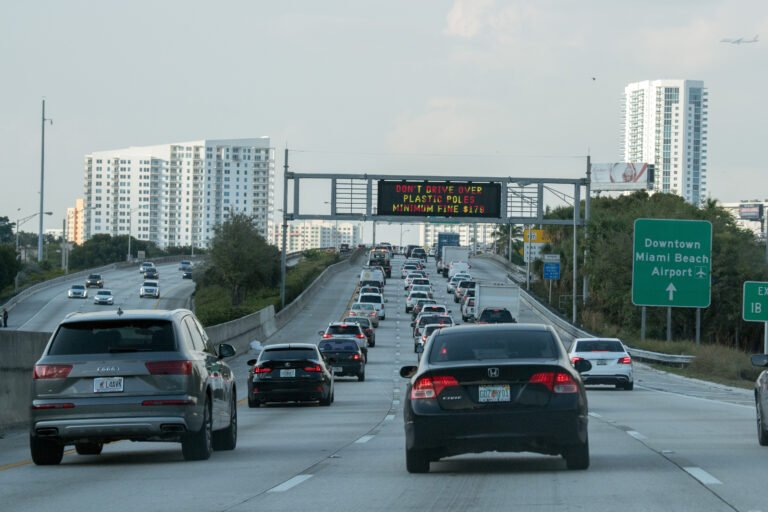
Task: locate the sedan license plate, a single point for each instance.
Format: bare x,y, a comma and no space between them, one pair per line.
107,384
288,373
338,369
494,393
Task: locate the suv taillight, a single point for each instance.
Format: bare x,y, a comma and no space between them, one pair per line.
261,369
51,371
313,369
430,387
169,367
360,336
625,360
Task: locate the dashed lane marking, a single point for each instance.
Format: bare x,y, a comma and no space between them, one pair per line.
364,439
702,476
290,484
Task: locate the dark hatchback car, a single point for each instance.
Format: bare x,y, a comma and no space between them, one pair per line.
289,372
151,273
137,375
761,398
506,388
94,280
344,357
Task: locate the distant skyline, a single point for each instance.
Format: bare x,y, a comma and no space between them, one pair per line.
435,87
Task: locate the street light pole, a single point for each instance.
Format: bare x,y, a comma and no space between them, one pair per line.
42,186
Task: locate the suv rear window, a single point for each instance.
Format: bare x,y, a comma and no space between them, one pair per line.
599,346
290,354
352,329
496,316
338,346
371,299
493,345
102,337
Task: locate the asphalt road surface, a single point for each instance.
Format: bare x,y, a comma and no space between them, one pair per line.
669,445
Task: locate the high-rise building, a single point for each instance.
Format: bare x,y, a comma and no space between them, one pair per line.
175,194
665,124
470,235
76,222
316,234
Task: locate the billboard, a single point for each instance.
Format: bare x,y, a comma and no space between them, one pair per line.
439,198
622,176
751,211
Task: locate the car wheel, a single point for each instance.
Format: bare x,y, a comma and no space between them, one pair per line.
226,439
199,445
326,401
577,456
253,402
45,452
361,376
762,433
416,461
629,386
89,448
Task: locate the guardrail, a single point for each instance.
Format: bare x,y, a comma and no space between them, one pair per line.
567,327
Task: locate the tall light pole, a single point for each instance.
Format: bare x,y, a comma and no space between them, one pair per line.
42,186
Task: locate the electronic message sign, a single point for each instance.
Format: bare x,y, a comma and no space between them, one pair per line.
439,198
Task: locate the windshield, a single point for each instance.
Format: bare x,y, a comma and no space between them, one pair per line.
113,336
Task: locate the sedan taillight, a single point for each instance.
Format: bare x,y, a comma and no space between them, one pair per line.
560,383
430,387
51,371
169,367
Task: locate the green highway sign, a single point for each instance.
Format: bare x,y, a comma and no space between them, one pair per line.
672,263
755,303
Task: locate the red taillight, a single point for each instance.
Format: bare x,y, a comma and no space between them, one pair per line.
62,405
326,336
355,357
625,360
51,371
430,387
169,367
556,382
314,369
261,369
576,359
168,402
360,336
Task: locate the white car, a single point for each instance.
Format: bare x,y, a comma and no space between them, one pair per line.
468,309
410,301
452,282
104,297
611,363
377,300
77,291
146,265
150,289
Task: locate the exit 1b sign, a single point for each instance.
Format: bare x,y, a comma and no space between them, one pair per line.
755,303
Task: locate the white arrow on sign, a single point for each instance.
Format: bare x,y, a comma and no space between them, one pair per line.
671,289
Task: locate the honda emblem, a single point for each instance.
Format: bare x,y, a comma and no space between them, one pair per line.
493,372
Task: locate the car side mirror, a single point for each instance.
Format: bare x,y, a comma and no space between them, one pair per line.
760,360
226,350
320,332
251,362
407,372
582,365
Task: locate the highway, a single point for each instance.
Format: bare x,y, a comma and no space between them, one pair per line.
672,444
42,311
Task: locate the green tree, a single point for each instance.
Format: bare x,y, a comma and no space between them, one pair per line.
9,265
6,230
243,258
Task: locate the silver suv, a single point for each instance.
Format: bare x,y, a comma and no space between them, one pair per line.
138,375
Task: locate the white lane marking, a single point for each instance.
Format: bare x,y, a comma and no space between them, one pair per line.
637,435
595,415
289,484
364,439
397,353
396,390
702,476
390,417
395,402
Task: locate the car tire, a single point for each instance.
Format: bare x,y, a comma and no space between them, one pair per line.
89,448
577,456
226,439
45,452
199,445
416,461
762,432
253,403
361,376
629,386
326,401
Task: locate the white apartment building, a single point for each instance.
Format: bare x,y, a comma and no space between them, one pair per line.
666,124
478,235
315,234
747,216
76,222
175,194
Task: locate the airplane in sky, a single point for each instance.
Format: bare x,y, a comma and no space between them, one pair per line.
738,40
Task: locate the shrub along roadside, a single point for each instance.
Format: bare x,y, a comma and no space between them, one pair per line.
213,303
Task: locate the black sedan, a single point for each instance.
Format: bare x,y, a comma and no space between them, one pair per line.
504,387
344,356
289,372
761,398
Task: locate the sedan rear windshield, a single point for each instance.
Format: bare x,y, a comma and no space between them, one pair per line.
288,354
469,346
363,321
114,336
338,346
343,329
371,299
599,346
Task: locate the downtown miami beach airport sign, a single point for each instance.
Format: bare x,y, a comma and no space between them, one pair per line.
672,263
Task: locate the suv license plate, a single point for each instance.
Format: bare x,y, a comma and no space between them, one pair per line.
494,393
602,362
107,384
287,373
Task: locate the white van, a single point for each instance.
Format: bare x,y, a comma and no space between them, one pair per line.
373,274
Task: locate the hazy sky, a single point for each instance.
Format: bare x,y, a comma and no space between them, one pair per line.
428,87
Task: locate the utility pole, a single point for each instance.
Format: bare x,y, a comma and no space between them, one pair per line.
285,230
585,278
42,186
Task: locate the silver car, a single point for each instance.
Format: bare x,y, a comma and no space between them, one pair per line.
149,289
77,291
104,297
137,375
